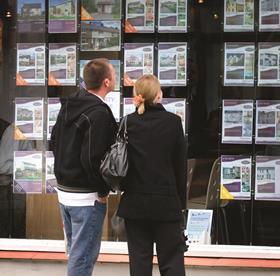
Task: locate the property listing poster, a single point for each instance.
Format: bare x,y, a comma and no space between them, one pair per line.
237,126
113,99
199,224
140,16
178,107
238,15
239,64
27,172
29,118
267,178
116,64
30,16
62,64
172,15
236,177
31,67
138,61
128,106
172,67
51,182
101,10
173,105
100,35
269,15
62,16
267,122
53,110
268,64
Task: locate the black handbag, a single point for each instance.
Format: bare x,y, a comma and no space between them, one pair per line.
114,165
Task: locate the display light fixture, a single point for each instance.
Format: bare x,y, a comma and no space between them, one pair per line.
200,1
8,14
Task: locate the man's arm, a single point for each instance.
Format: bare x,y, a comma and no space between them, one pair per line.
97,140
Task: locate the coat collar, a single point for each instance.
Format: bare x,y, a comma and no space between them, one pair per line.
155,107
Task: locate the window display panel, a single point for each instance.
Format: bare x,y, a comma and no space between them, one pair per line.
29,118
269,15
172,67
30,16
62,16
172,16
237,124
235,177
267,122
238,15
140,16
31,67
268,64
100,35
200,91
138,61
239,64
267,185
28,172
101,10
62,64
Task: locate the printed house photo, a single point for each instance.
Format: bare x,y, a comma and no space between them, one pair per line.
235,59
235,74
245,179
233,116
231,173
102,9
168,6
168,60
30,10
249,66
71,66
134,59
136,7
62,9
100,36
181,73
268,60
27,170
265,174
247,123
266,117
40,74
26,60
24,114
58,66
270,12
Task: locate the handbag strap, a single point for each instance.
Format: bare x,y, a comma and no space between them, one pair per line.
123,126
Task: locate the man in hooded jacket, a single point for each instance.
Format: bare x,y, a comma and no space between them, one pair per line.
84,131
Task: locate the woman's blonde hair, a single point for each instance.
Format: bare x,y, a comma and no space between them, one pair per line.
145,90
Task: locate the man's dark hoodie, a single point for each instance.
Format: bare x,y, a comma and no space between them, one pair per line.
84,131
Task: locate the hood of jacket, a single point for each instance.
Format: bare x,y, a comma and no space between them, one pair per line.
80,102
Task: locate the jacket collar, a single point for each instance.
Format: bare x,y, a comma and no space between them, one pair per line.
154,107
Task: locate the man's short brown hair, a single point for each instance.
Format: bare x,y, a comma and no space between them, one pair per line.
95,72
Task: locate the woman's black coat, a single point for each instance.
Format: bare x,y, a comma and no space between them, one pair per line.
155,186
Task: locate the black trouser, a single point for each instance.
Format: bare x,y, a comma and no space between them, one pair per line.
170,245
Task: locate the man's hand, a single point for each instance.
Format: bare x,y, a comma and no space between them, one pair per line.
103,200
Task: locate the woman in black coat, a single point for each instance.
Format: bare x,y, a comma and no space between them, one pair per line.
155,186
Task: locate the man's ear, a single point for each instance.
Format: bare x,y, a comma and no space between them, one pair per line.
106,82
